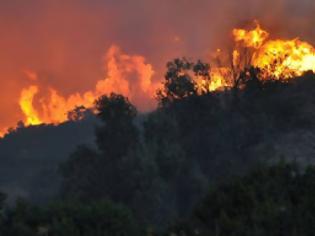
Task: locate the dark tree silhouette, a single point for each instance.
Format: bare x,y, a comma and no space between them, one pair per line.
78,113
118,134
101,218
274,201
180,80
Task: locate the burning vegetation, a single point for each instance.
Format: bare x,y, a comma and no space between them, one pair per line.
214,122
277,59
54,108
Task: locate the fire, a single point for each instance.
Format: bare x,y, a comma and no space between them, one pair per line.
252,38
3,132
131,76
285,59
26,104
54,108
219,79
277,58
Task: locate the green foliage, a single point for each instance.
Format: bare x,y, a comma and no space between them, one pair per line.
65,218
115,109
161,164
120,169
118,133
79,173
2,199
155,168
275,200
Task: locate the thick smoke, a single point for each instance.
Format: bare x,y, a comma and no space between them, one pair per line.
64,42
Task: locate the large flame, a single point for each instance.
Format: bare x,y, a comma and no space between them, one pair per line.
26,104
131,76
285,59
276,57
252,38
120,67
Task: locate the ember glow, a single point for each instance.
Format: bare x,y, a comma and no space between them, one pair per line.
219,78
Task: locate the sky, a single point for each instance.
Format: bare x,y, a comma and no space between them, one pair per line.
65,42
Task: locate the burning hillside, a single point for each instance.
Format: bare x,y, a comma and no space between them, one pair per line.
132,76
278,59
54,108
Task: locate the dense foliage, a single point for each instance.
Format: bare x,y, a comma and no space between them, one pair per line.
65,218
157,167
269,201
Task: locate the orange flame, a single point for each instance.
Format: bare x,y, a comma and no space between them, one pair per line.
26,104
280,58
219,79
252,38
54,108
131,76
277,58
3,132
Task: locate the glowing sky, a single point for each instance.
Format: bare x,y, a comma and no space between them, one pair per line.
64,42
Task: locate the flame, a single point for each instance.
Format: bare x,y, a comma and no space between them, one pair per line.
277,58
252,38
3,132
54,108
219,79
236,57
285,59
131,76
26,104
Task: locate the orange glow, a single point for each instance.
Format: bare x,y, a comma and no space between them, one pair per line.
54,108
26,104
281,58
219,79
277,58
132,76
252,38
3,132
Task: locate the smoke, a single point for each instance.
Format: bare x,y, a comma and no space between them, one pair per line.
64,42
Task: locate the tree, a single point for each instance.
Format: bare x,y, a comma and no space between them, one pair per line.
94,174
78,113
181,80
118,134
2,199
80,174
120,168
102,218
277,200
